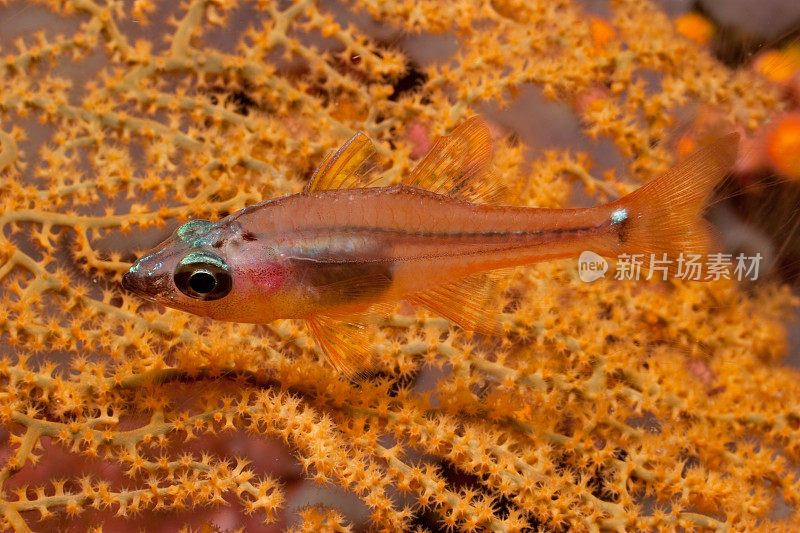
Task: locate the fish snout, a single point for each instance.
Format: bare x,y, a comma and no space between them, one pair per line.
137,284
129,282
145,286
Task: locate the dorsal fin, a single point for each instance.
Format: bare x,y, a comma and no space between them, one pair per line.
460,165
346,168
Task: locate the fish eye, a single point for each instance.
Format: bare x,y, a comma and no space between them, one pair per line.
202,281
203,276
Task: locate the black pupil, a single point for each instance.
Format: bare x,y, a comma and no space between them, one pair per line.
202,282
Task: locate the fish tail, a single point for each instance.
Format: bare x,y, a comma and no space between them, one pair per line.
664,216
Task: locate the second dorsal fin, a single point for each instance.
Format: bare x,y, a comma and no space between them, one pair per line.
346,168
460,165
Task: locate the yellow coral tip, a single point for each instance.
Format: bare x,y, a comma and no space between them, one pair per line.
602,31
783,146
695,27
778,65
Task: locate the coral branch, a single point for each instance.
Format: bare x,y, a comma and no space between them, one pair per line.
8,151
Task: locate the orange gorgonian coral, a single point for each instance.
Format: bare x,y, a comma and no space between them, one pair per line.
614,405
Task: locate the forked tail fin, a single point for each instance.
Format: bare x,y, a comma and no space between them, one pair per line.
664,216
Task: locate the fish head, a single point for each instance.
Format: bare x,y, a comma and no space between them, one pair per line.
197,269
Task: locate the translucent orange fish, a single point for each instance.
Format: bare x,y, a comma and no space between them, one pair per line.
333,252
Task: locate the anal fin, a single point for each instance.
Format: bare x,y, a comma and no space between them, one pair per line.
467,302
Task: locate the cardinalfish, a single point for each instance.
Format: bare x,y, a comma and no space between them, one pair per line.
335,253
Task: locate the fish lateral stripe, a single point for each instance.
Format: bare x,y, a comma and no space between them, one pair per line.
457,234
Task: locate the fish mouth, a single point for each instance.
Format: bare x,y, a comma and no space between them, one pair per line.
129,282
134,284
